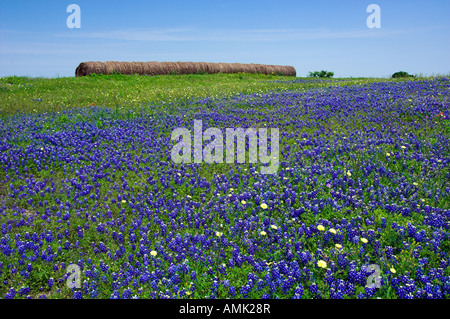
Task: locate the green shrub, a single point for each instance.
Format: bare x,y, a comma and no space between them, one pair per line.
321,74
401,74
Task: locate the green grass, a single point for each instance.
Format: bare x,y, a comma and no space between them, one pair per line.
38,95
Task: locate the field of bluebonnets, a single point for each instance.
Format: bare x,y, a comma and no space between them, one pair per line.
363,180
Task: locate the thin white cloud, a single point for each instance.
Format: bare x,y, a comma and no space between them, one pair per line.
246,35
37,48
216,35
72,42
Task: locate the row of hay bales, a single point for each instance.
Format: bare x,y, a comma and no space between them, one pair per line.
161,68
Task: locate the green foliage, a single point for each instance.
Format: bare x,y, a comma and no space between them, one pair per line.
114,72
63,119
401,74
321,74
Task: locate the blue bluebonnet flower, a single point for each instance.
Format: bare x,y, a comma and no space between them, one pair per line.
157,221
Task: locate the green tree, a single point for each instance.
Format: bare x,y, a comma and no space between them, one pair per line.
321,74
401,74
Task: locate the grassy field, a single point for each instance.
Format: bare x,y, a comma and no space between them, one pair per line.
37,95
86,178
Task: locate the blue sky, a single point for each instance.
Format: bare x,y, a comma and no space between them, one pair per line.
309,35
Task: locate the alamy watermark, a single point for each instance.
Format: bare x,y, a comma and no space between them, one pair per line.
213,151
374,280
74,19
74,279
374,19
